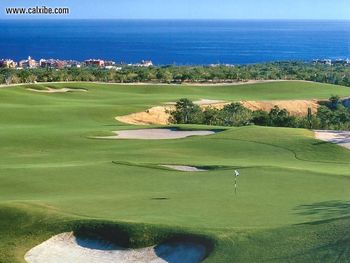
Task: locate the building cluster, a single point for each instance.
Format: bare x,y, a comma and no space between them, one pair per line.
59,64
330,62
222,65
8,63
143,63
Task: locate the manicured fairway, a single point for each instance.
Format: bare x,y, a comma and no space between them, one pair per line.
293,200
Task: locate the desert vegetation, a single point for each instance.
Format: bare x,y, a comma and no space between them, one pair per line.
336,74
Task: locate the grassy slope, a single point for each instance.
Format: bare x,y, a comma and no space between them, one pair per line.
288,178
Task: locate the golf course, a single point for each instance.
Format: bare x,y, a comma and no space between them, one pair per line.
63,169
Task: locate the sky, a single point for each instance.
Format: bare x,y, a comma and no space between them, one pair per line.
188,9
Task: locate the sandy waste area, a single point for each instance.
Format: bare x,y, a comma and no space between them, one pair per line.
160,115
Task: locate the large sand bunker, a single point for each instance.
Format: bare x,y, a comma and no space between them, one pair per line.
184,168
156,115
341,138
51,90
155,134
66,248
295,107
160,115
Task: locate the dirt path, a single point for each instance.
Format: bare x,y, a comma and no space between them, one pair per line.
66,248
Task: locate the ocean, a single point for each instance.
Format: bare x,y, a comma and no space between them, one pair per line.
183,42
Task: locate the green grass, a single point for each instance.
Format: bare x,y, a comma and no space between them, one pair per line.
293,203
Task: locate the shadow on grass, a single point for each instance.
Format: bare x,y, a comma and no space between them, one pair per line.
184,249
108,236
320,143
160,198
96,244
326,209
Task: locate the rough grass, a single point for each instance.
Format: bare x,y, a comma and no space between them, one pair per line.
293,202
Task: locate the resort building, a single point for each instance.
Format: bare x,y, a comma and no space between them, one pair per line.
94,63
146,63
109,63
28,63
143,63
52,63
7,63
73,64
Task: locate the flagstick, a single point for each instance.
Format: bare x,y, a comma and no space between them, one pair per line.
235,185
236,175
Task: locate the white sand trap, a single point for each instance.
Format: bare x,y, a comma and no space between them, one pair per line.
207,102
184,168
341,138
66,248
155,134
202,102
50,90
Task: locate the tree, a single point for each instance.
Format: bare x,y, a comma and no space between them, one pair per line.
334,101
281,118
186,113
211,116
261,118
309,118
235,114
325,116
164,75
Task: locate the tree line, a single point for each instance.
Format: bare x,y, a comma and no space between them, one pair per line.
331,115
336,74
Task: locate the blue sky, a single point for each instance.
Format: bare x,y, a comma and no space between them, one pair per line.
192,9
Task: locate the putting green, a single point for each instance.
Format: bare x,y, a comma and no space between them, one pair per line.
53,172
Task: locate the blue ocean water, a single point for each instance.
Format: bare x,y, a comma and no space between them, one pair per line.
175,41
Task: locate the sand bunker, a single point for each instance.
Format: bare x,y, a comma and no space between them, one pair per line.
160,115
66,248
184,168
341,138
50,90
155,134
